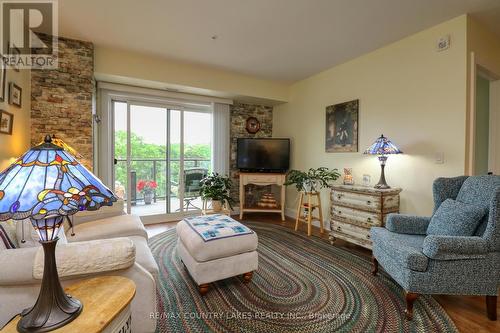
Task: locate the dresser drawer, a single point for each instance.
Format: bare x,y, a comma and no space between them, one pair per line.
357,200
362,218
264,179
350,230
358,241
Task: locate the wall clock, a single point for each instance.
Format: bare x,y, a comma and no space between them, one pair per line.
253,125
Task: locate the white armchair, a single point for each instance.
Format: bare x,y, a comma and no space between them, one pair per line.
113,245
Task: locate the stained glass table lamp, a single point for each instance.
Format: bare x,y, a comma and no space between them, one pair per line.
65,146
382,147
46,185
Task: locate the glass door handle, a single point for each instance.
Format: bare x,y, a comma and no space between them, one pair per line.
115,161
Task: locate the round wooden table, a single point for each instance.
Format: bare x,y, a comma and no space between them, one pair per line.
106,306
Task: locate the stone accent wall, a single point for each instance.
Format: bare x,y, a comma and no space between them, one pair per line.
61,99
239,114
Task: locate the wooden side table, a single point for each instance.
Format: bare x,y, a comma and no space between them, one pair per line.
106,306
308,208
262,179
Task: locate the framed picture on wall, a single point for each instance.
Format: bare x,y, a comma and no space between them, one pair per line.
342,127
6,122
15,94
3,74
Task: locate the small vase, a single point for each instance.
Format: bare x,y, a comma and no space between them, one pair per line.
216,205
148,198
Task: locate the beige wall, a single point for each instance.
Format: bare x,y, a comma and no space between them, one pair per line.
485,45
13,146
144,70
409,92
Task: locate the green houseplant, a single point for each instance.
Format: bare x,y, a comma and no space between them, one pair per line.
312,180
216,188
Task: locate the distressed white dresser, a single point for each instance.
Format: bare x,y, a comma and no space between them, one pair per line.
355,209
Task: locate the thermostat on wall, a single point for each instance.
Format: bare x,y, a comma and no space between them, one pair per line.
443,43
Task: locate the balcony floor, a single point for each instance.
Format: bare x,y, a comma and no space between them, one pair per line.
159,207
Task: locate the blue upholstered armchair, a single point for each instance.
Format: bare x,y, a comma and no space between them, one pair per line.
440,263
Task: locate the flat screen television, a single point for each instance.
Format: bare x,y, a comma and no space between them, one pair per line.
263,155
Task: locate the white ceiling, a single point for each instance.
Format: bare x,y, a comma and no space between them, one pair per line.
275,39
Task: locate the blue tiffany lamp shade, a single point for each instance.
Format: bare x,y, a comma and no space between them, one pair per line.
382,147
45,185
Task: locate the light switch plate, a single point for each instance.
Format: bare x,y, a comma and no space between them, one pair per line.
439,157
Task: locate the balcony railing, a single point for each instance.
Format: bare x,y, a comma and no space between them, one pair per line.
154,171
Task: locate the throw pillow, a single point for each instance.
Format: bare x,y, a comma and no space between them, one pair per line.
455,218
8,235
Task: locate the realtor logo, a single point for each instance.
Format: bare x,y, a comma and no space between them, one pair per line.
29,33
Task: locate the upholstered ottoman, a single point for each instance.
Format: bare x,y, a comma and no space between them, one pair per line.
216,247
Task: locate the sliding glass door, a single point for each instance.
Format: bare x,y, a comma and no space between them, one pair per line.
197,143
160,154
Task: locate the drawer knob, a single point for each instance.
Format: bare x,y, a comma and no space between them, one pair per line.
367,236
340,212
339,228
368,202
369,219
339,196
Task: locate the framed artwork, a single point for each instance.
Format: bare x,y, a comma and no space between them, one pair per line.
342,127
6,121
15,94
3,74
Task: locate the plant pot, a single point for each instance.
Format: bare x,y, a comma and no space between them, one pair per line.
216,205
148,198
309,186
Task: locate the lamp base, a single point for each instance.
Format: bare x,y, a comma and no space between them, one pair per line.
382,184
53,308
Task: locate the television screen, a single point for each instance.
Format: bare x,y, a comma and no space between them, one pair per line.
263,155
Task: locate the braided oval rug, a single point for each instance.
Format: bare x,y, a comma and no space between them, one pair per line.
302,285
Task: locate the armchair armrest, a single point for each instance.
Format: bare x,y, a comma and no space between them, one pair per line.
454,247
407,224
89,257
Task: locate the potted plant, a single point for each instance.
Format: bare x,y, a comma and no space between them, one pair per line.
313,180
147,188
216,188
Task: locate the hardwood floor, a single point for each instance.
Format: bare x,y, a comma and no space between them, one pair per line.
468,312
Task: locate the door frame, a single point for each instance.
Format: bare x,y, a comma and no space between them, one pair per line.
494,143
104,165
475,69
